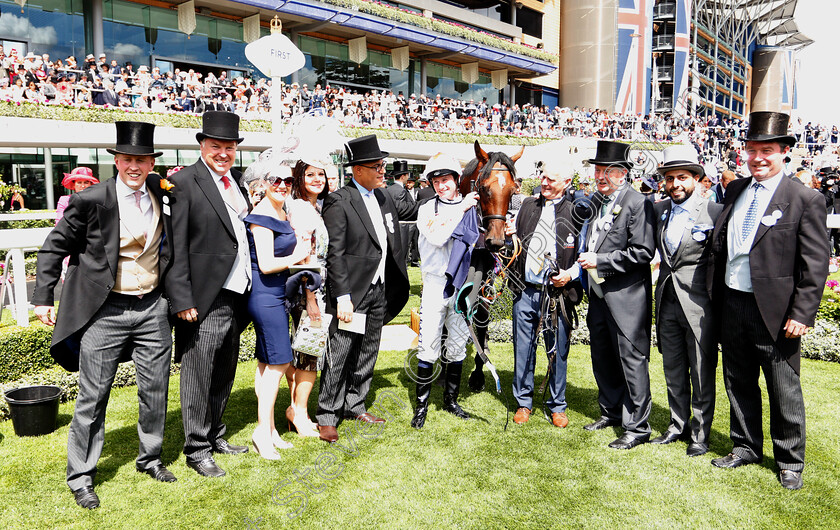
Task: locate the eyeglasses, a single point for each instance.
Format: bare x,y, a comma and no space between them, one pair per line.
276,181
378,167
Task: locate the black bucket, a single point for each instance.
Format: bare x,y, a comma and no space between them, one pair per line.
34,409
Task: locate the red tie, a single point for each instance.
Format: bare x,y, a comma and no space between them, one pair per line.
226,182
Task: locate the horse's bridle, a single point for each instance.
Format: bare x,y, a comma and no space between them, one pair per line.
481,217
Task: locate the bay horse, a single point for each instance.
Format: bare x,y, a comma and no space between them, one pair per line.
493,176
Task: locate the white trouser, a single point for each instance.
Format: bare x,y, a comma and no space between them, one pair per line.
435,311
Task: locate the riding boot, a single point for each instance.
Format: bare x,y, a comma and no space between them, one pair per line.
424,389
452,389
443,362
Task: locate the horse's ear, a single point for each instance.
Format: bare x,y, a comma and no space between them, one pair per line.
480,153
519,154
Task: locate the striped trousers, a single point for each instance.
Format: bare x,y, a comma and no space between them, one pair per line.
348,369
208,368
748,347
139,325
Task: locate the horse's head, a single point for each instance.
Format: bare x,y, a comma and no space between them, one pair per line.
492,175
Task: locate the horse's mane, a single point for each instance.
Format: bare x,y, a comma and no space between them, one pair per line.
493,157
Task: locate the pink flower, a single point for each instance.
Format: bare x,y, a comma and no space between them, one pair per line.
832,284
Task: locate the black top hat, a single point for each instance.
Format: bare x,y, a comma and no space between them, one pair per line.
364,149
135,138
768,126
400,169
612,154
219,125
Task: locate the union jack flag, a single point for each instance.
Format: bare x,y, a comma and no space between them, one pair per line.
681,49
633,67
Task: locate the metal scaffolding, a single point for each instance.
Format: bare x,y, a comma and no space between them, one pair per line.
736,25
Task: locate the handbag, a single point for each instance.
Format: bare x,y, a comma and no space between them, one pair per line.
309,339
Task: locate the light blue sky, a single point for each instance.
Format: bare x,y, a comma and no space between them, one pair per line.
819,76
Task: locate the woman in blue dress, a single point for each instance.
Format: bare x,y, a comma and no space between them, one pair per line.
274,248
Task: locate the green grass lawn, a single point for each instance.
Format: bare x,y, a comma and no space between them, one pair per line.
452,473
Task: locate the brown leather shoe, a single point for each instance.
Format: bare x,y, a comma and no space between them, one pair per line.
367,417
559,419
328,433
522,415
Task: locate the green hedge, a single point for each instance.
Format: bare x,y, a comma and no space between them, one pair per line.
24,351
51,374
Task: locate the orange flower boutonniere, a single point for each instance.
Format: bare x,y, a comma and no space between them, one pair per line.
165,185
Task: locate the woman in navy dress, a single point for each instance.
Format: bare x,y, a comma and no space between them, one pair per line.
274,248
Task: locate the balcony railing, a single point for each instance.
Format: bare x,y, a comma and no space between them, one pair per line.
661,42
665,11
665,73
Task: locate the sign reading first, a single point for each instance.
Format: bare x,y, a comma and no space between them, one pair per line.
275,55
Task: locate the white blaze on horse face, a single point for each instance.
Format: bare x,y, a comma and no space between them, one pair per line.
502,177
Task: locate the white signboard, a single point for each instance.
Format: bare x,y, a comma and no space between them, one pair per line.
275,55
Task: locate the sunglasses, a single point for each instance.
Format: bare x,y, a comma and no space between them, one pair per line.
276,181
378,167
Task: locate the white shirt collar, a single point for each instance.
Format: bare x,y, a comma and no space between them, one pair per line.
772,183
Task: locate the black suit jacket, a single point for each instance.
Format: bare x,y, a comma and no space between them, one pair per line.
567,226
424,194
788,260
404,202
89,233
354,250
205,243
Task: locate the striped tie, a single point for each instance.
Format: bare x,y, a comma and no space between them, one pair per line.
752,212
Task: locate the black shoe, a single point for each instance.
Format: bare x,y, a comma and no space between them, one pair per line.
696,449
452,389
419,418
86,497
666,438
628,441
731,461
790,479
223,447
600,423
158,472
207,468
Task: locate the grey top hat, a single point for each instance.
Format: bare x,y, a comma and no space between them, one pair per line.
681,157
135,138
219,125
768,126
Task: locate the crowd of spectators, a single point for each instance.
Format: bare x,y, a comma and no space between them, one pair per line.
100,82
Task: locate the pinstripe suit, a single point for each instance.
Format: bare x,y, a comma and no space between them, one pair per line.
206,247
352,261
106,327
788,264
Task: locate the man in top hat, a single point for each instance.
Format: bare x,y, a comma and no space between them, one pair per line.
365,277
118,238
618,247
402,197
684,317
771,234
426,191
212,276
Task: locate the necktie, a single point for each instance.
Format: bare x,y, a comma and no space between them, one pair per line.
137,195
606,205
752,212
226,182
672,236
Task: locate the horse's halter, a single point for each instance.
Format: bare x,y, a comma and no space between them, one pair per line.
474,187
